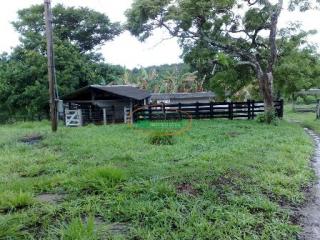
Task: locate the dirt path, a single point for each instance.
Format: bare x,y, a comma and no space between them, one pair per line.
311,212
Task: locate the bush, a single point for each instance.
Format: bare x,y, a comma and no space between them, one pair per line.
161,139
306,100
269,117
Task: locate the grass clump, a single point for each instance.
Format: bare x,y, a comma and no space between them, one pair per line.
78,229
12,228
100,178
159,138
13,201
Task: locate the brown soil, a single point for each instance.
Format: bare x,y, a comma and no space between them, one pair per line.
51,198
32,139
232,134
187,188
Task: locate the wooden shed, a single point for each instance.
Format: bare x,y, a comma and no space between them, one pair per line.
99,104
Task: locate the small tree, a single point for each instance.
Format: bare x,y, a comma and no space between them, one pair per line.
237,28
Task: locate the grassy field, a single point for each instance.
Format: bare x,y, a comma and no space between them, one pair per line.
305,119
220,180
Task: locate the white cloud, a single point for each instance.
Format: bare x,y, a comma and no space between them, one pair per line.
126,50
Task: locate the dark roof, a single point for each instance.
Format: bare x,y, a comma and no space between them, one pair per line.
119,90
313,91
165,96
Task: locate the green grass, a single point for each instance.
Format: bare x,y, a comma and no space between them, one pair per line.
220,180
307,119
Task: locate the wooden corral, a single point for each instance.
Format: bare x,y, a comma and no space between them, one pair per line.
228,110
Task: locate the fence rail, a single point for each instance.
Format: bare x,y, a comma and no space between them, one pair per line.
229,110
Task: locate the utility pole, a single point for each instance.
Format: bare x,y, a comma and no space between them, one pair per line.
51,67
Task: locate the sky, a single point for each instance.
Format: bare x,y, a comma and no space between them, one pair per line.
126,50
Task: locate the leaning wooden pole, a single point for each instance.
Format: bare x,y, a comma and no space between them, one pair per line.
51,67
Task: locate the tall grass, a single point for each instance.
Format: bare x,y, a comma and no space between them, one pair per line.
220,180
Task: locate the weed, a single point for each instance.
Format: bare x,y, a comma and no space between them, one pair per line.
77,229
15,200
161,139
12,228
100,178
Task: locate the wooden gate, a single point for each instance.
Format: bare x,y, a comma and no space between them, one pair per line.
73,118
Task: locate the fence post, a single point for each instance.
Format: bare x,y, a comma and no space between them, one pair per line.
80,117
231,110
318,109
211,109
197,110
249,111
150,112
180,114
143,113
281,108
253,109
164,111
105,116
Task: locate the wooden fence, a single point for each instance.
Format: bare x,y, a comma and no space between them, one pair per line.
228,110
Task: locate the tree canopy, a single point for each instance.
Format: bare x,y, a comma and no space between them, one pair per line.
83,27
244,30
77,34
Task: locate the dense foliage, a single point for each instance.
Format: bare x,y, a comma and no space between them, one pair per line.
77,34
234,28
164,78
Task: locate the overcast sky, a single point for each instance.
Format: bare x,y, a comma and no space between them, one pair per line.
126,50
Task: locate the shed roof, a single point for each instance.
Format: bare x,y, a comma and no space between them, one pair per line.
313,91
165,96
119,90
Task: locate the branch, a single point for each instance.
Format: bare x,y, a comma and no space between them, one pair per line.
231,49
251,3
273,33
247,63
161,41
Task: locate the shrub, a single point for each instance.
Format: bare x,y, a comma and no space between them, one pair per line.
269,117
161,139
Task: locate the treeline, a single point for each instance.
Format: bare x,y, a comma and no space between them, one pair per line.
164,79
78,33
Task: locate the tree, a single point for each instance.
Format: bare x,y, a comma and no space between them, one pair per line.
83,27
235,28
164,78
77,34
299,63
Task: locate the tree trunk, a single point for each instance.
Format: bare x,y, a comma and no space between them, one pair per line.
266,91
